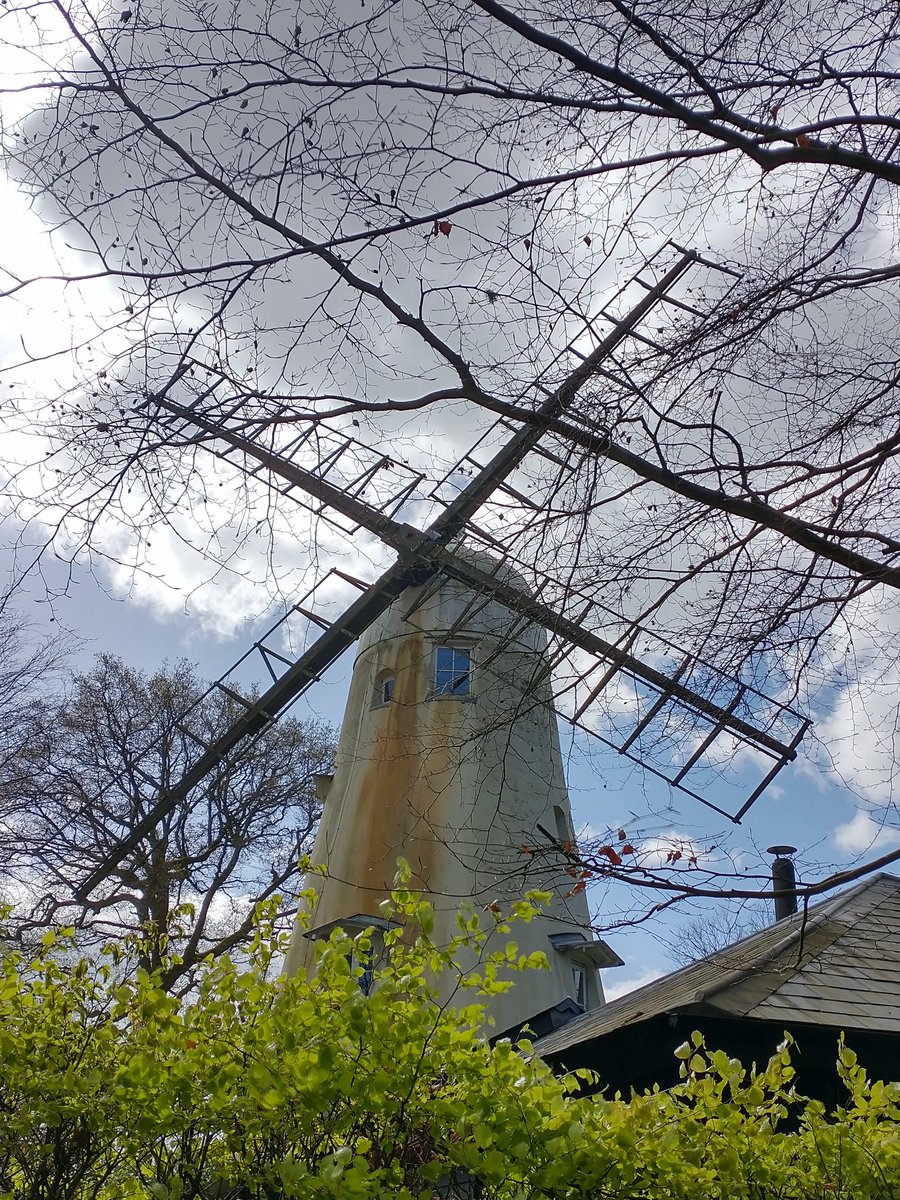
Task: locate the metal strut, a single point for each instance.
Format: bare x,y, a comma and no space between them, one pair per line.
421,555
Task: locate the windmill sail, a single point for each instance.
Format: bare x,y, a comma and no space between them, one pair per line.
660,702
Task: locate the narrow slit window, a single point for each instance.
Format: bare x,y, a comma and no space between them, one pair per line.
452,671
384,688
563,832
579,978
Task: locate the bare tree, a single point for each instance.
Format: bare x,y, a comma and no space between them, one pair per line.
292,218
191,885
720,927
31,667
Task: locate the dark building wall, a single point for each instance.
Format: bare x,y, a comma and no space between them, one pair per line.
640,1055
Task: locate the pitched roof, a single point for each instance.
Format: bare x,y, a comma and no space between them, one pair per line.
837,964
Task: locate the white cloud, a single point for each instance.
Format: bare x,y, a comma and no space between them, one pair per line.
587,833
615,985
862,834
654,852
861,733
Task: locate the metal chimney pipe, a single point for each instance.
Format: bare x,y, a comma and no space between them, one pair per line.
784,881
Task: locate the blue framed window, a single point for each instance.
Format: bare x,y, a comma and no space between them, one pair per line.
383,692
365,962
452,671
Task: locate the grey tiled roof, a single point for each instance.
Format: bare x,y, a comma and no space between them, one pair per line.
838,964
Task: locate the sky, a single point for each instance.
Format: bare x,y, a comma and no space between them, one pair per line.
151,604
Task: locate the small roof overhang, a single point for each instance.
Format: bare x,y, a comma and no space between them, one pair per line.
576,946
353,925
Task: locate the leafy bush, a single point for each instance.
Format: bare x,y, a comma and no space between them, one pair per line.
111,1089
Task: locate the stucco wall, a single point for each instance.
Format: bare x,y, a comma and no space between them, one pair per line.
456,785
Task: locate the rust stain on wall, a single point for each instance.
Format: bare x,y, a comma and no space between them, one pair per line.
454,785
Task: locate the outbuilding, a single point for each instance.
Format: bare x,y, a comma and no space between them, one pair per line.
832,968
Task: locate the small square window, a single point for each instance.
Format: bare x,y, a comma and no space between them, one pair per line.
452,671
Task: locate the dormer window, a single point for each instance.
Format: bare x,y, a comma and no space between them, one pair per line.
452,671
364,962
584,958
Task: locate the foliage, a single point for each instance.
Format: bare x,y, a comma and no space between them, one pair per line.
92,771
113,1089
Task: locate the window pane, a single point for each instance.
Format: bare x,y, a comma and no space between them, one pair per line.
365,962
580,979
387,689
452,671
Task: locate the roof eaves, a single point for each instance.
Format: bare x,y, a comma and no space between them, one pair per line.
650,1001
803,924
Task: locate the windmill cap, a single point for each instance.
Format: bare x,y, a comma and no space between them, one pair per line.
445,607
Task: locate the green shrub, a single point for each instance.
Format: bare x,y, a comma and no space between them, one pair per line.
112,1089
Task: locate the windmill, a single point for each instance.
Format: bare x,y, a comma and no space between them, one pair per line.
672,701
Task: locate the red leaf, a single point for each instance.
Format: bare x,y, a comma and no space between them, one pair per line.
611,855
622,835
444,227
628,848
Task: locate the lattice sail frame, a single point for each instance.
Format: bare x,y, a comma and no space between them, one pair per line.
660,698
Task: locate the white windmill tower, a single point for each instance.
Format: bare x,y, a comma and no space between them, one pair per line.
449,758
